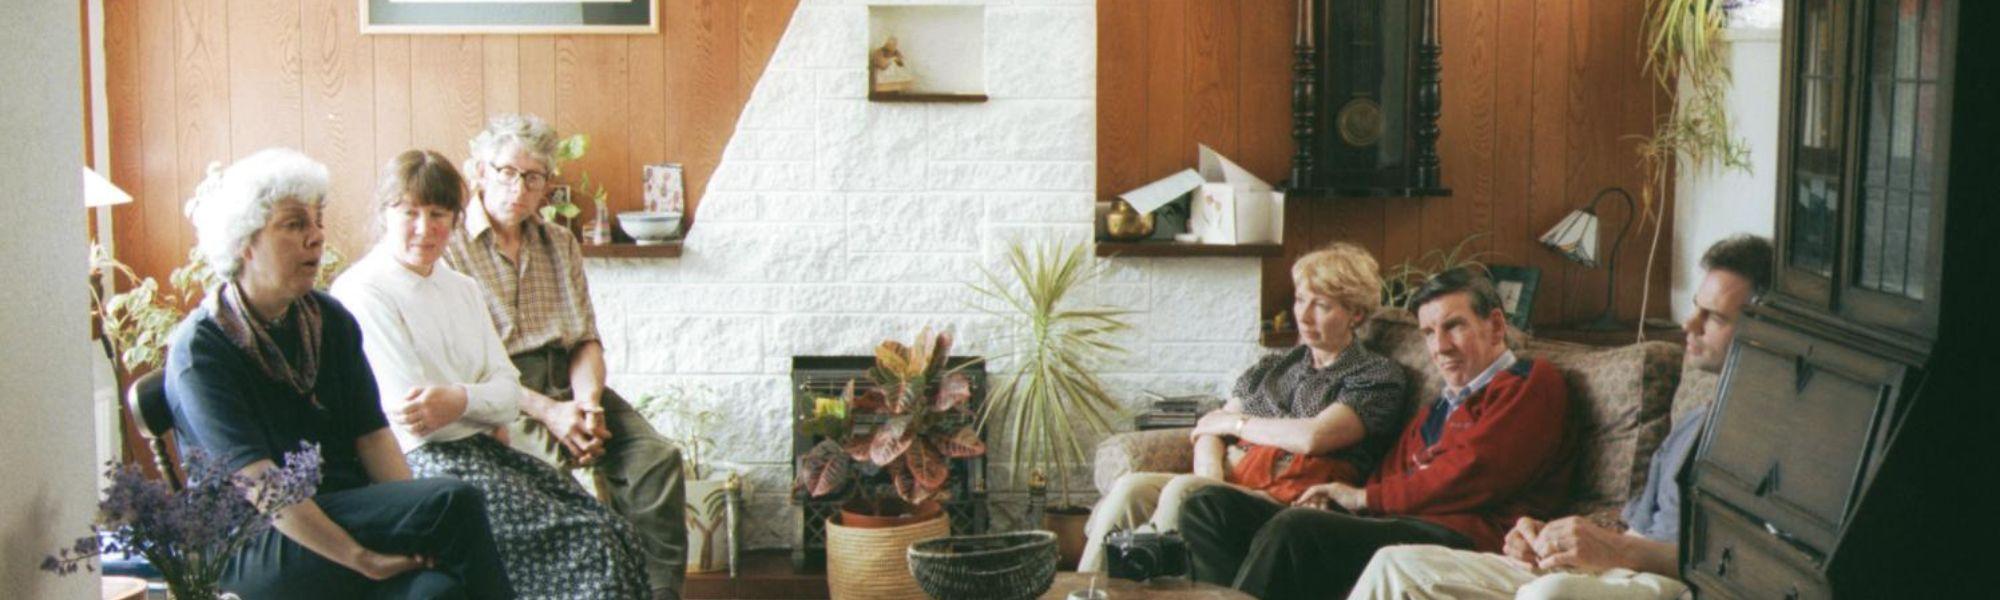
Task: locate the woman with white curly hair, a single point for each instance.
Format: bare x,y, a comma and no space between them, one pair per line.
265,364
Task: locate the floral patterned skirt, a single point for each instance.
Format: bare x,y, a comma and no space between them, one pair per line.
556,540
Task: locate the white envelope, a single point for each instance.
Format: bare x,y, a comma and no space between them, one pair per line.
1234,206
1152,196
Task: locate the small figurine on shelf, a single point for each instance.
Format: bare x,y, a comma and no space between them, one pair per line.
888,71
598,232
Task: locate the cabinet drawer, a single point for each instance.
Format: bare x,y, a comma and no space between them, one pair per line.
1796,429
1732,556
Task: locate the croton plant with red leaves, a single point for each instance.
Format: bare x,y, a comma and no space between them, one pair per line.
927,421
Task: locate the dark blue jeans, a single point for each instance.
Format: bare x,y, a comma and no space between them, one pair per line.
440,518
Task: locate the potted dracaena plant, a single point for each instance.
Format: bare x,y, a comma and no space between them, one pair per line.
888,447
1051,402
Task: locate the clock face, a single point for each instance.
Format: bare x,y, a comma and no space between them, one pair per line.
1360,122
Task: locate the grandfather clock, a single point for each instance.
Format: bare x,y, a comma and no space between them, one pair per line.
1365,99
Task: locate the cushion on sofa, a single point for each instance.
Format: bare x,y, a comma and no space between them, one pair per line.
1620,398
1698,388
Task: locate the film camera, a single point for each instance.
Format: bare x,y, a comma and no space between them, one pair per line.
1139,555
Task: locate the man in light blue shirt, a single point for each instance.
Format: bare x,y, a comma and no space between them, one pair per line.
1573,557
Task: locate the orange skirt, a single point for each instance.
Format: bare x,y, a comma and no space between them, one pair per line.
1284,475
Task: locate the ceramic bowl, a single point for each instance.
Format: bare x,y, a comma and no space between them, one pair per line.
650,227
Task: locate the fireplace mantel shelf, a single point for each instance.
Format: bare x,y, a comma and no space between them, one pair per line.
1172,249
670,249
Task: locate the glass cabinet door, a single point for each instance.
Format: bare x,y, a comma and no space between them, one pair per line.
1813,191
1899,187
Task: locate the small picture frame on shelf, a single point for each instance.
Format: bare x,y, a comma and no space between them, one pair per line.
1517,292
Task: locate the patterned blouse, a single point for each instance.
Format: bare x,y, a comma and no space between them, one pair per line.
540,301
1285,385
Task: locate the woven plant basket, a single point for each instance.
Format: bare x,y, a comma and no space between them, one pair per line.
872,564
995,566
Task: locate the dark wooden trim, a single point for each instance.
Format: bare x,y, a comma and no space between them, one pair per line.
1369,192
626,250
1278,339
1175,249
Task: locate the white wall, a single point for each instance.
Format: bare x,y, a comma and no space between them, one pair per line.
834,223
1712,205
46,461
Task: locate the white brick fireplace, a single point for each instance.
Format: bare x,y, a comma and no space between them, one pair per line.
834,222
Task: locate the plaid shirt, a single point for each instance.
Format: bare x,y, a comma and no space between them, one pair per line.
538,302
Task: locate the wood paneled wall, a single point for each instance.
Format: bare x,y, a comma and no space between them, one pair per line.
1539,96
195,81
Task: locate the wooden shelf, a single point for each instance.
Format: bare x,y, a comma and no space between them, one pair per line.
668,249
924,97
1173,249
1332,193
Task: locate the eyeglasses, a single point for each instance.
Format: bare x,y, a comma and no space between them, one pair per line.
511,177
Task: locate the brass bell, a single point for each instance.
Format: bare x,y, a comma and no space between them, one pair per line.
1125,224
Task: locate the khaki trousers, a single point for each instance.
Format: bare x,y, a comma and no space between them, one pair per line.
1137,498
641,469
1425,572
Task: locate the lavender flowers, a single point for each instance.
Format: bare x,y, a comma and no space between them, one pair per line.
191,533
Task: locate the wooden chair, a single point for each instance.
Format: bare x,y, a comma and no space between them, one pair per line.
147,400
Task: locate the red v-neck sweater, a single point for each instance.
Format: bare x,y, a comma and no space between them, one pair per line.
1506,453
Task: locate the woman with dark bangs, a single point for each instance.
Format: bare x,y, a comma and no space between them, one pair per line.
449,391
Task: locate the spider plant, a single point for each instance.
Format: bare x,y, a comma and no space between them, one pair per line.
1400,282
1053,397
1684,54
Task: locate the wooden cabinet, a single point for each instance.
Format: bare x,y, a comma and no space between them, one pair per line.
1818,474
1798,430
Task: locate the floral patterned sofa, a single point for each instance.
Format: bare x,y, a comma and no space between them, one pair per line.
1625,398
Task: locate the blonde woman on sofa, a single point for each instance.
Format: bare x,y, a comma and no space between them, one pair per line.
447,386
1323,411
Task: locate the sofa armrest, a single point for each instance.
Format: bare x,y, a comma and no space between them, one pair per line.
1157,451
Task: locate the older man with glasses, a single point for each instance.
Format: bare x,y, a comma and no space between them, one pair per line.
532,272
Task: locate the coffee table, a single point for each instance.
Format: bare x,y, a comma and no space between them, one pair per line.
1158,589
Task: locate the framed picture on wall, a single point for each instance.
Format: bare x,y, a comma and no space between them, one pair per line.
509,16
1517,292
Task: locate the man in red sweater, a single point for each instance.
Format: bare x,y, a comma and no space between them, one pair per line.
1493,447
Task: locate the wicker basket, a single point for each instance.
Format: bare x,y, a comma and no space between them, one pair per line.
870,564
998,566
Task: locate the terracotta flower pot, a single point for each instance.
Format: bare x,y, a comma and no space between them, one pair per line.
887,512
1069,524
